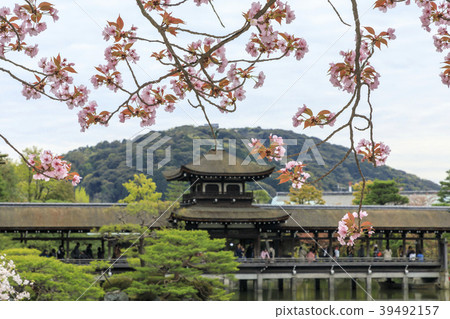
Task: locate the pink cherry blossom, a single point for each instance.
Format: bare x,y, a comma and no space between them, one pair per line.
351,227
290,16
200,2
255,8
240,94
391,34
377,154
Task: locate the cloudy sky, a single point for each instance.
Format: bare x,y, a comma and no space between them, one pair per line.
411,104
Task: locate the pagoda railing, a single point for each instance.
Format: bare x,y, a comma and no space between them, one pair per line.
215,195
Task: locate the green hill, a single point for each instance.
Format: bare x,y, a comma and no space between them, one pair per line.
104,166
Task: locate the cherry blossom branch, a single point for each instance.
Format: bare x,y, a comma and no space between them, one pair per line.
333,168
215,12
15,150
338,14
22,67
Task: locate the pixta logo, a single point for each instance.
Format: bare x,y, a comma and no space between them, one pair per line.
146,148
140,151
309,146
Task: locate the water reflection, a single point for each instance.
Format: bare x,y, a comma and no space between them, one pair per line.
310,289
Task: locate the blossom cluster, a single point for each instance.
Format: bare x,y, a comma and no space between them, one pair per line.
275,151
9,280
22,21
201,68
305,116
343,74
432,13
46,165
268,40
350,228
121,50
293,172
160,5
26,21
376,154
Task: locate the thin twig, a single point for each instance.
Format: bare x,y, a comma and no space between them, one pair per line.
217,15
337,12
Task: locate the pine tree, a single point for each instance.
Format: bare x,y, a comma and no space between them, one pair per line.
175,262
444,192
384,192
175,190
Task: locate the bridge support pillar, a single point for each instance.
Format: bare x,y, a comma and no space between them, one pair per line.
331,290
242,285
259,282
317,284
405,287
259,287
294,287
280,284
443,280
369,287
353,283
443,256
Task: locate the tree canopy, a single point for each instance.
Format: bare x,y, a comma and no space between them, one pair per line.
175,262
444,192
384,192
307,195
53,280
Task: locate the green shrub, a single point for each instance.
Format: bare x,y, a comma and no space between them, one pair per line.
117,282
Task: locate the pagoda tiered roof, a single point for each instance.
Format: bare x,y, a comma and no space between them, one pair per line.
219,163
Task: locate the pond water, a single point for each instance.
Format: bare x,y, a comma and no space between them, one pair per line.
306,290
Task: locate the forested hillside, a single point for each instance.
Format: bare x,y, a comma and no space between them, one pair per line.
104,167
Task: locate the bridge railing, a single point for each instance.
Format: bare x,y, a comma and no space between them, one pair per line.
85,262
329,259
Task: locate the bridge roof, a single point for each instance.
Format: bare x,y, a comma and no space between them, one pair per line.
52,217
382,217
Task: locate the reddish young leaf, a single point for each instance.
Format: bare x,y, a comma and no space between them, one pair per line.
120,23
370,30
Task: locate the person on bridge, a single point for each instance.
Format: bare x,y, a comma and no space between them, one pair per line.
89,253
75,254
387,253
325,252
61,253
117,252
376,252
337,253
100,253
272,252
412,255
420,256
409,251
302,253
239,251
350,252
400,252
311,256
265,254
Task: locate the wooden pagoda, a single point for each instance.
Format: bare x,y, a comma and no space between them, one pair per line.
218,201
